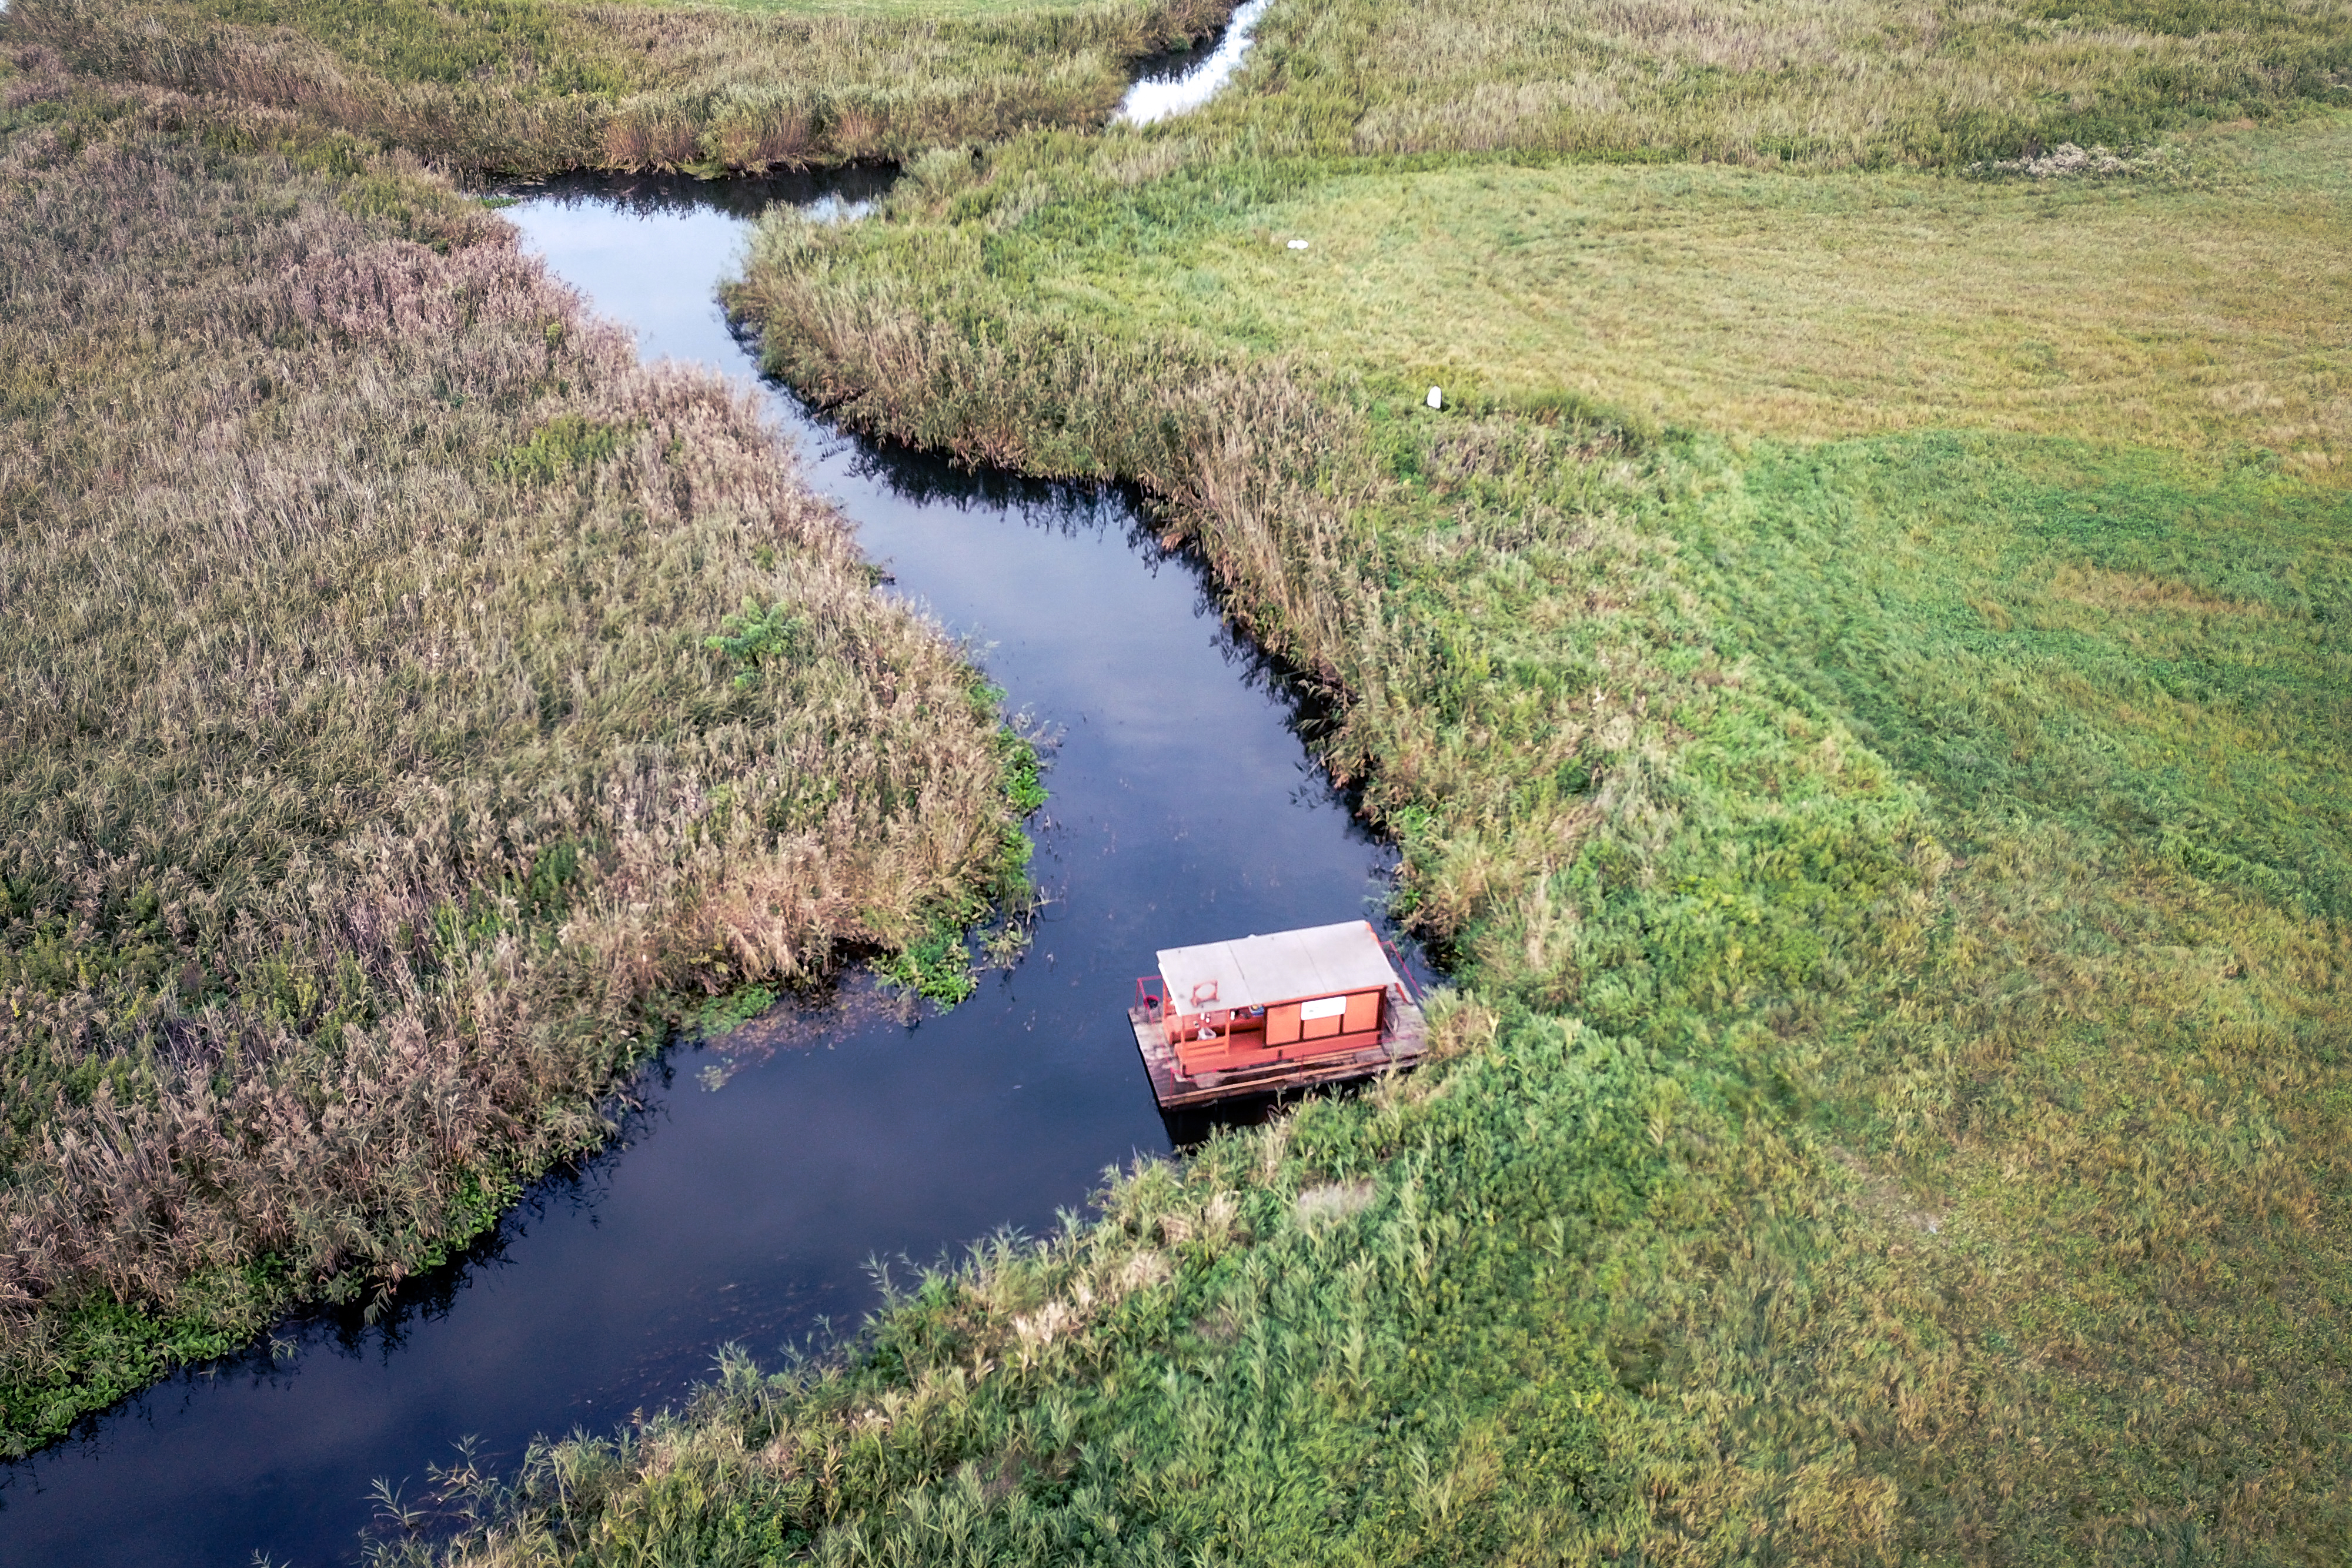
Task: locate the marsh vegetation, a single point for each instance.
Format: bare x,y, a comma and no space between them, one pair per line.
531,87
415,706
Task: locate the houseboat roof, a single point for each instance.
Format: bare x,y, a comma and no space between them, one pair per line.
1287,966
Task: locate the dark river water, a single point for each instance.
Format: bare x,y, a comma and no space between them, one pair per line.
1184,809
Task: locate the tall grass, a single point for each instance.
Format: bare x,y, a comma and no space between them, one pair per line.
535,86
369,774
1789,82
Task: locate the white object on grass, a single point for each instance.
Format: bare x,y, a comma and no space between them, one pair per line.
1436,398
1298,245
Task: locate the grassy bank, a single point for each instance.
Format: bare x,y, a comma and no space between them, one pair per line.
531,87
1857,667
1834,1162
411,703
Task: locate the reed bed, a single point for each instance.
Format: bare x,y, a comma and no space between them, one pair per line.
542,86
412,702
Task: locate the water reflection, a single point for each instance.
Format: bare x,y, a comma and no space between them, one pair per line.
825,194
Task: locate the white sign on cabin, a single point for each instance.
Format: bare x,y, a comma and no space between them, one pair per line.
1328,1008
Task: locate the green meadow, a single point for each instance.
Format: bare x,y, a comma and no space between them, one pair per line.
2194,302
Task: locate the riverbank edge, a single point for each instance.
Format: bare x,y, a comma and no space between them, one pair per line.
110,1349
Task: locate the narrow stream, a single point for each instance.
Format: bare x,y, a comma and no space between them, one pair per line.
1184,79
1184,809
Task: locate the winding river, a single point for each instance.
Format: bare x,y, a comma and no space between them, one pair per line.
762,1173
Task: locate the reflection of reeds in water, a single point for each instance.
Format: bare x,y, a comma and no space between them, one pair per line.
366,776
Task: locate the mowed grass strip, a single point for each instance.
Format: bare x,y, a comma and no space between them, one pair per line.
373,793
2141,645
2199,302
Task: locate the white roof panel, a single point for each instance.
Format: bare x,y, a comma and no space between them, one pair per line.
1287,966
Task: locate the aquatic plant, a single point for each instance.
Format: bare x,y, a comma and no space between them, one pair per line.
753,638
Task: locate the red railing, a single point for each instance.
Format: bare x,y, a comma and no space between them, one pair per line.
1151,996
1403,970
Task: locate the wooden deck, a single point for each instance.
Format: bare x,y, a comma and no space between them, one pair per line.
1404,1042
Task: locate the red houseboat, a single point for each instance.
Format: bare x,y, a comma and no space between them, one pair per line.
1266,1013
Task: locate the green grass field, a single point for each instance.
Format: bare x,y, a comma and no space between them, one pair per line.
2199,303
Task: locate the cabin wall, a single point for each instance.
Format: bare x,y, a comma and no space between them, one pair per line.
1283,1034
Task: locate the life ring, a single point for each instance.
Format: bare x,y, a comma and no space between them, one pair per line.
1208,985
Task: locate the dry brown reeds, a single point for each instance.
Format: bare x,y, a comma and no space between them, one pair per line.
365,771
